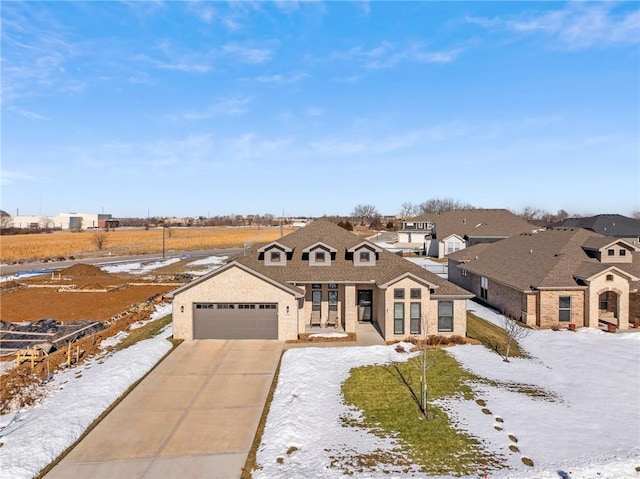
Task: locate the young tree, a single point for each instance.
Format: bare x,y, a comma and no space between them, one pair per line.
100,239
515,332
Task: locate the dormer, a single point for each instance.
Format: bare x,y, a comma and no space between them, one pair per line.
319,254
616,251
274,254
364,254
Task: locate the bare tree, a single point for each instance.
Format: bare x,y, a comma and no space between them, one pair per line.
6,221
100,239
636,215
407,210
515,332
365,213
442,205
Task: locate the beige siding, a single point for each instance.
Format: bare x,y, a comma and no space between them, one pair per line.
549,308
618,285
230,286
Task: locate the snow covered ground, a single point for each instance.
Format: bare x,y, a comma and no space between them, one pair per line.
588,427
33,437
139,268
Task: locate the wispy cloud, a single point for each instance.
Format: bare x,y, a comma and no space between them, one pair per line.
388,54
28,114
283,78
224,107
8,177
246,53
578,25
314,111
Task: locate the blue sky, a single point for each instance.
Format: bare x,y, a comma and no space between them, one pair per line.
207,108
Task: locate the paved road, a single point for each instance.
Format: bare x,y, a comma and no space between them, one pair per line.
7,269
194,416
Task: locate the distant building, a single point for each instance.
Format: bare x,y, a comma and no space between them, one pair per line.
617,226
65,221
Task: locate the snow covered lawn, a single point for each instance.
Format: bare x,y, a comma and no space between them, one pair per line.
33,437
587,425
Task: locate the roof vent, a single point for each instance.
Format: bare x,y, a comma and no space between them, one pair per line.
464,221
531,251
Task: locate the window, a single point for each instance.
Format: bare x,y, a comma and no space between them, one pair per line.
484,287
604,302
415,293
333,301
398,293
365,256
204,306
623,252
398,318
267,306
445,316
564,308
415,316
320,257
463,272
316,299
611,252
609,277
333,286
316,286
452,246
275,256
226,306
246,306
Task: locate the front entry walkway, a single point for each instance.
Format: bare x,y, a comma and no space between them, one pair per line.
193,416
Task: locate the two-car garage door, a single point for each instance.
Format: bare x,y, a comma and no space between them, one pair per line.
235,321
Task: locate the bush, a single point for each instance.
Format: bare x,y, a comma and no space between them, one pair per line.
346,225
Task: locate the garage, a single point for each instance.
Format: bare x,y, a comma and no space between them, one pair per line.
235,321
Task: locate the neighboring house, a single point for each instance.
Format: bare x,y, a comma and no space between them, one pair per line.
553,277
617,226
441,235
317,274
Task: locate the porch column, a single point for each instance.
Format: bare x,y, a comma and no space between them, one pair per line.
350,308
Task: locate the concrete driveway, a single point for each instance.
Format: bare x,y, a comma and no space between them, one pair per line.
194,416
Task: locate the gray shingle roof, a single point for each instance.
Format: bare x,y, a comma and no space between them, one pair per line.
500,223
608,224
297,270
549,258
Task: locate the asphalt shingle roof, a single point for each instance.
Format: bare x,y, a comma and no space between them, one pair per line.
609,225
550,258
297,270
477,222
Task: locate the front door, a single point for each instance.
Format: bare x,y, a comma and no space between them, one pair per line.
365,302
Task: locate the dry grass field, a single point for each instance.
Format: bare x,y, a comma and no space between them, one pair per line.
63,244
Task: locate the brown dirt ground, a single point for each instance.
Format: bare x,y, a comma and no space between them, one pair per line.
33,304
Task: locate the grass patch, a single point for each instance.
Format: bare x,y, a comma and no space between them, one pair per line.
147,331
250,464
492,336
389,410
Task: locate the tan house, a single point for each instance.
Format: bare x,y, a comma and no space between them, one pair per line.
317,277
554,278
452,231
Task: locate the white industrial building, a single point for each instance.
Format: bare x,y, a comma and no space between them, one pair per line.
65,221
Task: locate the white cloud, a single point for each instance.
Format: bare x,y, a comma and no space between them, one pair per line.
28,114
577,26
247,53
223,107
284,79
8,177
388,54
314,111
